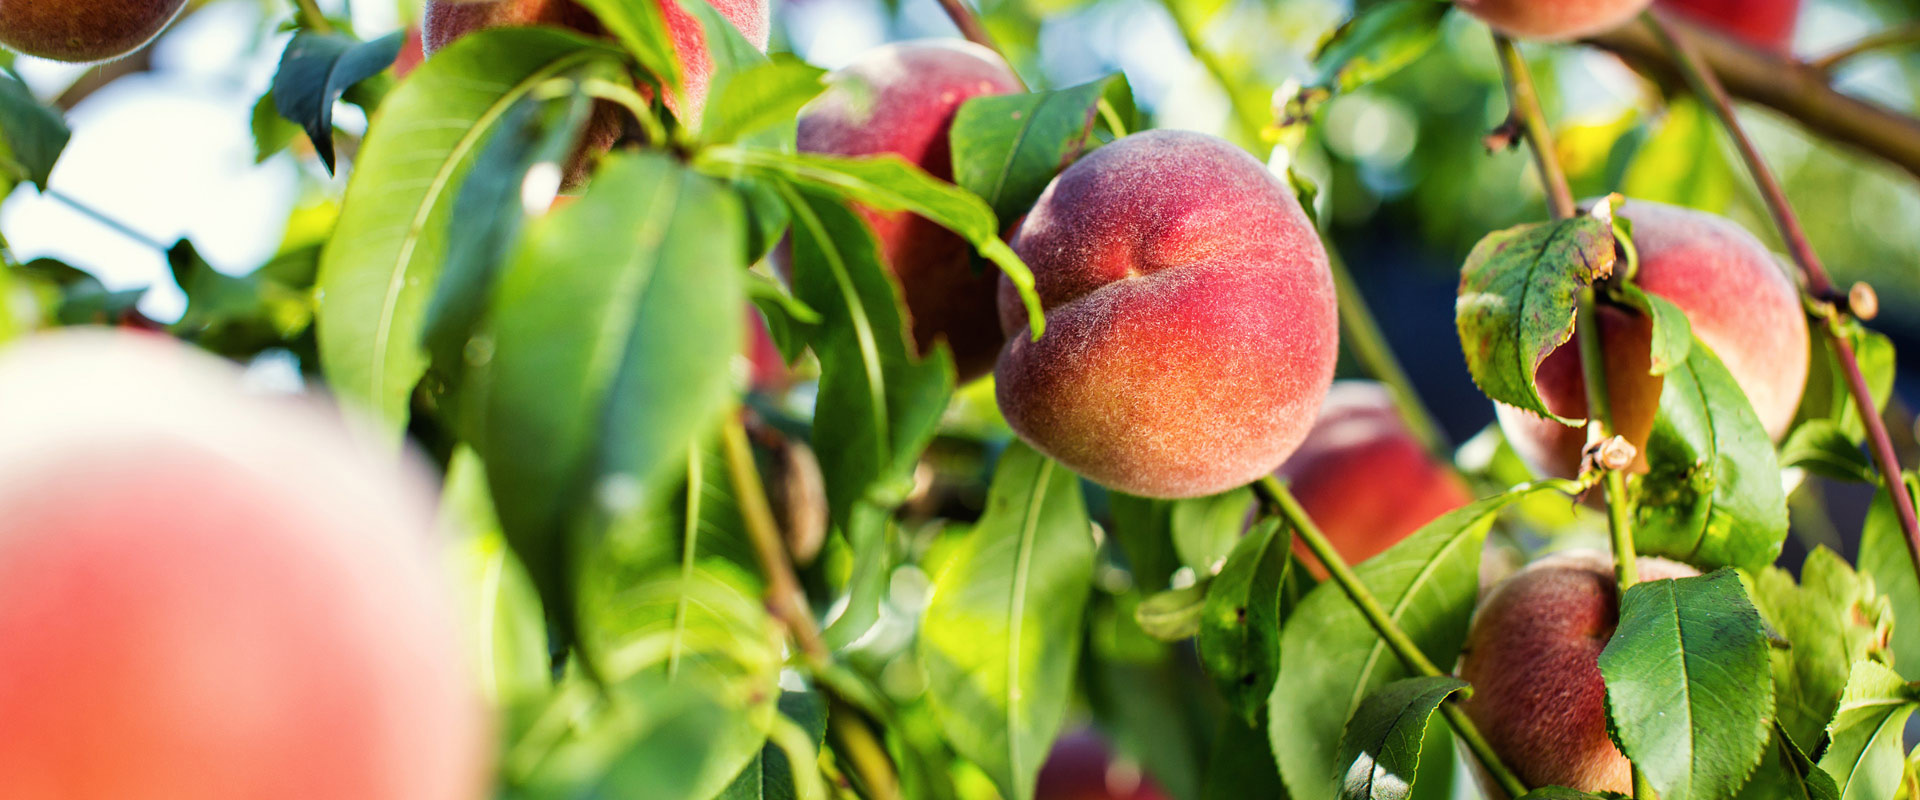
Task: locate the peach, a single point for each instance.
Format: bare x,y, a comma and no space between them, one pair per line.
412,52
83,30
1766,24
901,99
1364,479
447,20
1191,330
1553,20
1080,767
1533,659
214,595
1741,304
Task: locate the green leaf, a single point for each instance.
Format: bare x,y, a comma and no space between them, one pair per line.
1822,447
614,329
888,183
1006,148
1518,293
1884,556
1377,42
1240,628
1830,619
32,135
1143,528
642,29
317,69
1689,697
1827,396
1863,742
1382,741
1241,765
272,133
757,99
1684,163
489,212
380,266
1172,615
789,322
1786,772
1672,334
241,316
770,776
506,630
1001,632
646,738
1206,529
1712,493
1331,659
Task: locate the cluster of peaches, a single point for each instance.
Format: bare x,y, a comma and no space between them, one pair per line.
1189,349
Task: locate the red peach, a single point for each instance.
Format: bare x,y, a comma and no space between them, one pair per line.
901,99
1080,767
447,20
411,54
1191,330
1763,23
213,595
1364,479
1553,20
1533,659
83,30
1741,304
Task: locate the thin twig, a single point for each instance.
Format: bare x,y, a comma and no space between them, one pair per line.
1793,88
1908,34
1818,286
103,218
1282,501
1250,121
1525,110
310,17
785,598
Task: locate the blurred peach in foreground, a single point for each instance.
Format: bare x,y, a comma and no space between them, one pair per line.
214,595
1080,767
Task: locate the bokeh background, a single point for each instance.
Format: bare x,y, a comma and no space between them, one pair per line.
170,151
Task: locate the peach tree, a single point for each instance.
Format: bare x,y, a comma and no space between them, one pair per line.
914,430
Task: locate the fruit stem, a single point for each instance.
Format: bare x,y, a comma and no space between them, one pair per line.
1796,90
1251,121
785,598
1525,110
1362,335
1818,286
1593,369
309,15
1907,34
975,31
1281,500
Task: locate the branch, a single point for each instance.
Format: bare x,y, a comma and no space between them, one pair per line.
1798,90
1907,34
1525,111
307,12
1250,121
785,597
1282,501
1819,288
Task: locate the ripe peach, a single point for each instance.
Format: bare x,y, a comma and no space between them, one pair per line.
212,595
412,52
1191,330
901,99
1081,768
1364,479
1532,657
447,20
1741,303
1763,23
83,30
1553,20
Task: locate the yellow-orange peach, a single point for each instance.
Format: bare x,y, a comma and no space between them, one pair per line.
83,30
1741,304
1553,20
901,99
1364,479
214,595
1533,659
1190,317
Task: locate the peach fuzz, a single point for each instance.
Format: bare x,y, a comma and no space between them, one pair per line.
1364,479
83,30
209,594
1741,304
1191,330
1553,20
1533,659
901,99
